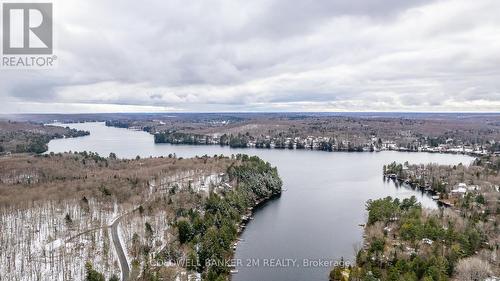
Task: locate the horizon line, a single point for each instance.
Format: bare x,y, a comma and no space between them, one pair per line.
250,112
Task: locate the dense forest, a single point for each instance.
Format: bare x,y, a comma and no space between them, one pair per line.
20,137
208,231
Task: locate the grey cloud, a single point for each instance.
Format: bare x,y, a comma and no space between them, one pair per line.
271,55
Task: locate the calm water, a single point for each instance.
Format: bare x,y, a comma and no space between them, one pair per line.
315,219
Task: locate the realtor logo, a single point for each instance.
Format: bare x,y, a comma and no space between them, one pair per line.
27,29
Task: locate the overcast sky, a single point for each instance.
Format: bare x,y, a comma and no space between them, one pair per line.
266,55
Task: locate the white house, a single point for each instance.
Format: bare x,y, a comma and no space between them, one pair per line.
459,191
473,188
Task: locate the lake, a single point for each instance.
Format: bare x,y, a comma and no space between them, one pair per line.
314,222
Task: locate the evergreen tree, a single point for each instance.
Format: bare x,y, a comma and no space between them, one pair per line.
93,275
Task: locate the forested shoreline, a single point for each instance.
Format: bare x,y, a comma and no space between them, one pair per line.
178,217
403,241
26,137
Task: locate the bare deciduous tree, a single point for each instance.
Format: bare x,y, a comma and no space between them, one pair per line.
472,269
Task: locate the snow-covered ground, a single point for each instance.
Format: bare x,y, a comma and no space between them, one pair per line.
52,240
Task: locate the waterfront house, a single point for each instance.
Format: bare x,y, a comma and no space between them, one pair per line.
459,191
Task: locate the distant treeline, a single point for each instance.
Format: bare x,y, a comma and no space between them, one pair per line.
245,140
18,137
117,124
180,138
